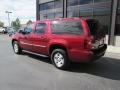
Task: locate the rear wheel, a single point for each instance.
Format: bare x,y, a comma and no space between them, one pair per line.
16,48
60,59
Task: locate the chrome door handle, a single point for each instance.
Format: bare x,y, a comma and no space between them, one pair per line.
26,37
43,37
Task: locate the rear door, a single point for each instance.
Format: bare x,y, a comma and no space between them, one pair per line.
40,39
71,31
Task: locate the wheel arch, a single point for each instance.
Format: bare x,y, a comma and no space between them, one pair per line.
57,46
14,40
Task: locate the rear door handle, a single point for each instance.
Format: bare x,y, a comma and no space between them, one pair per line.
43,37
26,37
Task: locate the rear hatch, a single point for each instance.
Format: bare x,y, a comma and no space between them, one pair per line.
97,32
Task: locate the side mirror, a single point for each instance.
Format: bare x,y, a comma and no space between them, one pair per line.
22,31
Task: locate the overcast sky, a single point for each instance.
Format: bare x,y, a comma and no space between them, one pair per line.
23,9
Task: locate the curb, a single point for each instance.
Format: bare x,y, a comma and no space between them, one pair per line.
113,49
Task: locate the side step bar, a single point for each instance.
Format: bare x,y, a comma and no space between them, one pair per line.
35,53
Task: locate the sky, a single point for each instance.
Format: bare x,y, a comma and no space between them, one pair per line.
23,9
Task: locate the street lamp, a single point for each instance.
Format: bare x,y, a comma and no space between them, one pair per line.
8,16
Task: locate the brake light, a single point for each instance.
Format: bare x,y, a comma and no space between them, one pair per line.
87,43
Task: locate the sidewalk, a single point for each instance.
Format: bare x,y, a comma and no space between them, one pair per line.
113,49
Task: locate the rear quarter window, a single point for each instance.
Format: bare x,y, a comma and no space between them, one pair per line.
66,27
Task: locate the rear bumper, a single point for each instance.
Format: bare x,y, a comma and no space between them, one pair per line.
97,53
87,56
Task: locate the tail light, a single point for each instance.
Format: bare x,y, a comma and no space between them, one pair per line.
87,43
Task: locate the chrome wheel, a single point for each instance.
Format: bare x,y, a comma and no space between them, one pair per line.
16,48
59,59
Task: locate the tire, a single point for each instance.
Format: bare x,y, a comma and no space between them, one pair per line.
16,48
60,59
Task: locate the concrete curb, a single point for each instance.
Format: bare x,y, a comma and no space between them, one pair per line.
113,49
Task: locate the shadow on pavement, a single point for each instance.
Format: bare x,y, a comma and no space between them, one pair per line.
36,57
104,67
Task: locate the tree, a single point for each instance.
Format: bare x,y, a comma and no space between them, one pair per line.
1,24
16,24
29,22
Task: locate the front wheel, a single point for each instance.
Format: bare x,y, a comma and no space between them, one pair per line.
60,59
16,48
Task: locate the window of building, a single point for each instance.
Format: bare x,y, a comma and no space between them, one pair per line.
67,27
85,1
117,28
72,8
58,3
58,8
79,8
50,10
50,15
42,7
58,14
48,5
72,2
96,1
40,28
73,11
85,10
102,12
102,8
105,22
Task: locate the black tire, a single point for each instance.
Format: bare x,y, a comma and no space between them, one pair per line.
63,59
16,45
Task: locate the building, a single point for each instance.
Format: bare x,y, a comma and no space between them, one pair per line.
106,11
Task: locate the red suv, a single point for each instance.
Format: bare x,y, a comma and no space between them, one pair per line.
63,40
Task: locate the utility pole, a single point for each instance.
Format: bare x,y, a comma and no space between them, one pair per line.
8,17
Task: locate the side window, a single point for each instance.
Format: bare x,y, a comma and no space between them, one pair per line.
28,29
67,27
40,28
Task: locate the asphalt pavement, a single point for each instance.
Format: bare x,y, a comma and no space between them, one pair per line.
31,72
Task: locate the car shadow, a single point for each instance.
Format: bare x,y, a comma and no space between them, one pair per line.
105,67
39,58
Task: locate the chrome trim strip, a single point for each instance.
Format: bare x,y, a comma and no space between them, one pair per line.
39,45
26,43
33,44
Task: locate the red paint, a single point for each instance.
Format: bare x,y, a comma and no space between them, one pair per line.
79,47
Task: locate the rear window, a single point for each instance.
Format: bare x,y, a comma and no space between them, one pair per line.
66,27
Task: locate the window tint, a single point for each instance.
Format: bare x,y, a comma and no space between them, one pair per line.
67,27
40,28
28,29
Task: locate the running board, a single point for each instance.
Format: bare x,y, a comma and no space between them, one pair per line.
35,53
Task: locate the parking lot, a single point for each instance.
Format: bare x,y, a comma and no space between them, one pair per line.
31,72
